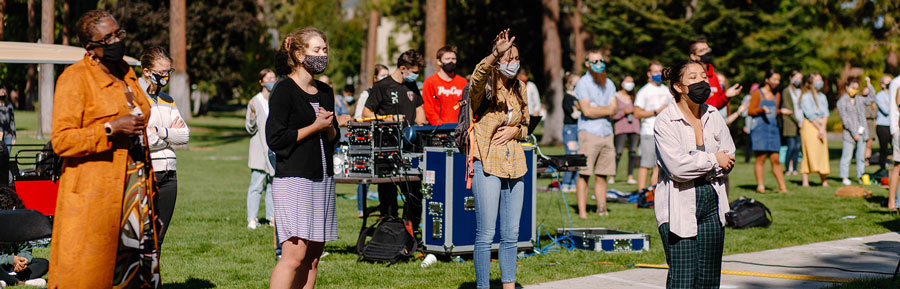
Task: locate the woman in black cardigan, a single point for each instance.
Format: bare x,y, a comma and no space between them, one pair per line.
301,130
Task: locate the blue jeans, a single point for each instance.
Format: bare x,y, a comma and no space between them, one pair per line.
847,153
792,159
259,181
362,192
493,196
570,141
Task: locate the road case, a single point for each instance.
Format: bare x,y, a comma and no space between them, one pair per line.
607,240
448,214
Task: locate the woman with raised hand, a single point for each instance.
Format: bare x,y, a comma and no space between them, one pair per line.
498,160
696,153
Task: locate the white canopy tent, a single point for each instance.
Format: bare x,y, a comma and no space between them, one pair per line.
45,54
37,53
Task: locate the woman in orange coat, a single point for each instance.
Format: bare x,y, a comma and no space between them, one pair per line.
104,230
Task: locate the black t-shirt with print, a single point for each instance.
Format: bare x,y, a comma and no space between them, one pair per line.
388,97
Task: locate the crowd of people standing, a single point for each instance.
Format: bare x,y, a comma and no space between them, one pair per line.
121,129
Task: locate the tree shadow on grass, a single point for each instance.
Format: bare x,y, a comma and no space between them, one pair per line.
191,283
215,135
880,200
893,225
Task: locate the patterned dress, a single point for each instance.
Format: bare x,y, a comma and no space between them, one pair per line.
137,260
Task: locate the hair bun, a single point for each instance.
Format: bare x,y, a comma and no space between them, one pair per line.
666,74
281,63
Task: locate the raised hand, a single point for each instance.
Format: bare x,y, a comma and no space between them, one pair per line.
734,90
504,43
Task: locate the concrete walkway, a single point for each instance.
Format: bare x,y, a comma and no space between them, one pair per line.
878,253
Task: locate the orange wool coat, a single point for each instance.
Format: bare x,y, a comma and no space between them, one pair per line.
89,205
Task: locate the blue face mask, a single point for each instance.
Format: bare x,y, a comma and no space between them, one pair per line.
270,85
411,77
656,77
348,98
598,67
818,85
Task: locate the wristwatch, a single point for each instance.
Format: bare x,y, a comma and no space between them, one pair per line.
108,128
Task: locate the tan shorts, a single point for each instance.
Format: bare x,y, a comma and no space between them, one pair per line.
600,152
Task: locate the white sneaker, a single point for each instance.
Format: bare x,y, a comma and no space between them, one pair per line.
611,181
847,182
36,282
271,221
632,181
2,283
252,223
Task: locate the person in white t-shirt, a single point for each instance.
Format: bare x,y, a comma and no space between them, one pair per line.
535,105
652,99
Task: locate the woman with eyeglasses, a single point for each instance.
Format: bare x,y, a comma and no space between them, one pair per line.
104,230
166,130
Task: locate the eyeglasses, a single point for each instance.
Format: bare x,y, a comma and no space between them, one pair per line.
111,38
164,73
595,61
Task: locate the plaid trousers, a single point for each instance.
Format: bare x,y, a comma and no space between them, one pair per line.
696,262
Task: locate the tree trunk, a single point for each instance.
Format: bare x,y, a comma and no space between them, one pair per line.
31,77
261,17
553,71
2,16
46,72
65,23
435,31
578,37
370,48
179,88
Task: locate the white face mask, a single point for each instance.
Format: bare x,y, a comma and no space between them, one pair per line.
628,86
509,70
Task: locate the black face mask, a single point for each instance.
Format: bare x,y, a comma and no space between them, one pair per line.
699,92
706,58
113,53
449,67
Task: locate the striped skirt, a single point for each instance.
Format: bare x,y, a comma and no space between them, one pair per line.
305,209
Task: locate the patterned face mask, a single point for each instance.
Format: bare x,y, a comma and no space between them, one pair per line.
315,64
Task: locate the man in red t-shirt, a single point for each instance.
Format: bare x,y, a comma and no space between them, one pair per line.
443,90
701,52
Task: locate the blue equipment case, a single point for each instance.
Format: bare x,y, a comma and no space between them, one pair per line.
448,208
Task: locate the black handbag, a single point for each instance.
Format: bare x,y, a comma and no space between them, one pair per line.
748,213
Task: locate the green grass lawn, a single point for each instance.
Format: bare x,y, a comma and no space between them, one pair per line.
210,246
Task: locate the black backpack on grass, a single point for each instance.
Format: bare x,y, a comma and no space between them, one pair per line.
391,241
748,213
